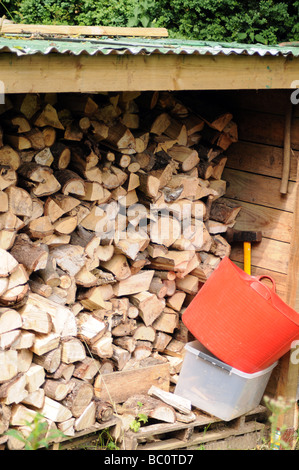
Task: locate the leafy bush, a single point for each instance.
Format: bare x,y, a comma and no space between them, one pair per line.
265,21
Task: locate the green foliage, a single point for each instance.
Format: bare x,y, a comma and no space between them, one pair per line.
265,21
138,421
277,407
38,436
142,14
9,8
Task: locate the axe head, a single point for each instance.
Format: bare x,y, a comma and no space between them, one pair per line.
243,236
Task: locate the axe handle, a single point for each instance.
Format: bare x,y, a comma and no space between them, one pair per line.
247,257
287,151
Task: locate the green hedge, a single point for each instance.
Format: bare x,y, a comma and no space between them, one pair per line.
265,21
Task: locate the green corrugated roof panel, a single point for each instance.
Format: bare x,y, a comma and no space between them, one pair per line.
24,45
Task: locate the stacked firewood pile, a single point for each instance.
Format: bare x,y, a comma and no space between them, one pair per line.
97,260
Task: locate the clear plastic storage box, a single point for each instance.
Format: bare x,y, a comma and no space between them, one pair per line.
216,388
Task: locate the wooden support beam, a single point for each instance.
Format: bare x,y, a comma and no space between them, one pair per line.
289,371
128,72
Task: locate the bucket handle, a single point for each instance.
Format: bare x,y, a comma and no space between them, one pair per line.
214,361
263,290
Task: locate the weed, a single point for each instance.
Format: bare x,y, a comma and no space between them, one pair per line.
38,434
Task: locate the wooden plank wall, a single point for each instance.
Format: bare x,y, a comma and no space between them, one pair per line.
253,173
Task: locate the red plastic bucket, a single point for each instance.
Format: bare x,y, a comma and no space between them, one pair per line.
240,320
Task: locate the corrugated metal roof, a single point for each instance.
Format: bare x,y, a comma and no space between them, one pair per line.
25,45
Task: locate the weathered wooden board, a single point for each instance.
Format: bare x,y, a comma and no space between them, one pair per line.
265,128
269,254
260,159
271,222
117,387
258,189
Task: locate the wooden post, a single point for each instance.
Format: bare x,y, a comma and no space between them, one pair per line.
289,372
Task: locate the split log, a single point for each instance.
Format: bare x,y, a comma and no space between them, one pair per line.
104,411
33,257
70,182
79,398
151,407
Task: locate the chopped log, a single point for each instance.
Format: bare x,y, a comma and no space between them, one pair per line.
120,137
44,157
35,377
158,287
8,263
73,131
55,389
35,319
181,404
87,419
161,341
61,155
21,415
126,327
55,411
9,157
49,361
151,407
90,328
120,356
64,371
70,258
49,135
186,157
40,227
80,104
177,131
86,369
160,124
17,121
119,266
97,297
79,397
224,211
34,257
23,344
176,301
9,368
117,387
45,343
8,176
39,179
48,117
5,415
134,284
104,410
103,347
19,201
150,307
72,350
67,427
70,182
167,321
35,399
9,320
